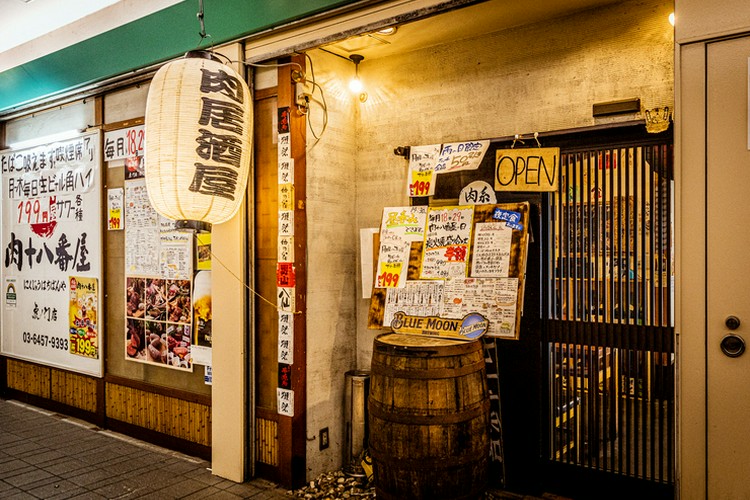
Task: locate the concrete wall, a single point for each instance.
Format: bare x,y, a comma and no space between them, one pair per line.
540,77
332,236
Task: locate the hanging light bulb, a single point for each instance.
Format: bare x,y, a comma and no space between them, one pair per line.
355,84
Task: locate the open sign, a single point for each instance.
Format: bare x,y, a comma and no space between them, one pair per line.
532,169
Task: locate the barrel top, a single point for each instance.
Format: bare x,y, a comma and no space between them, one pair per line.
403,339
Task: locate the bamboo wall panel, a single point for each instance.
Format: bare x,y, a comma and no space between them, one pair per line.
28,378
182,419
266,443
74,390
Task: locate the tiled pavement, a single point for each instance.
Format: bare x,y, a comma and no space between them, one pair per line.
45,455
49,456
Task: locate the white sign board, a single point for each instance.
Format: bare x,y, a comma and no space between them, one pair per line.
51,236
124,143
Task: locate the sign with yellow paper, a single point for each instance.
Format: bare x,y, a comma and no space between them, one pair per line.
84,336
422,160
400,226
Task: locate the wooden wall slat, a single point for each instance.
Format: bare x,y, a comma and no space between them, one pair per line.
157,412
267,441
186,419
32,379
74,390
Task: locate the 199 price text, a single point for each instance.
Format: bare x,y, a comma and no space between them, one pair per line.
419,188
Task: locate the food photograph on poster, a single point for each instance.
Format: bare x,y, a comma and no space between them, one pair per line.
158,323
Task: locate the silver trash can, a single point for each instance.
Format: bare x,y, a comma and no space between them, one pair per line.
355,420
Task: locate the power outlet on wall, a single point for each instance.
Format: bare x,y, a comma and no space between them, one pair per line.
323,438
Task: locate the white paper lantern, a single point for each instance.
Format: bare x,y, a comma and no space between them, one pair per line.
198,140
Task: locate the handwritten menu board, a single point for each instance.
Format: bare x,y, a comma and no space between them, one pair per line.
422,160
492,242
400,227
446,242
417,298
425,162
495,298
441,280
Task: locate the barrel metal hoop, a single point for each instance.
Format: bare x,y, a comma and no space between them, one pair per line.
379,410
429,373
447,350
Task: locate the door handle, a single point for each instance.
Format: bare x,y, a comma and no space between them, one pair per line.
732,345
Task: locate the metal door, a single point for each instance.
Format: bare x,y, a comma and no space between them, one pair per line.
728,269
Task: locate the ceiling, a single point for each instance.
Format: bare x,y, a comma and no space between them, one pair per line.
27,20
35,28
484,17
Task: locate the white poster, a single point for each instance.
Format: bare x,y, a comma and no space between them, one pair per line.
51,231
158,323
176,255
446,242
124,143
286,338
141,231
158,285
491,250
399,227
418,298
114,209
477,193
494,298
422,161
285,401
461,156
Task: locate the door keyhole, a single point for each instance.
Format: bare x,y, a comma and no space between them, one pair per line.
732,322
733,345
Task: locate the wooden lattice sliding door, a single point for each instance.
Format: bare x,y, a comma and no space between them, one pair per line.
609,337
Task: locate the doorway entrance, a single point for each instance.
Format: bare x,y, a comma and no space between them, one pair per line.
587,398
608,342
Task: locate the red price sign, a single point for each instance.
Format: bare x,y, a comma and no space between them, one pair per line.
33,212
419,188
455,253
115,218
390,273
82,346
388,280
421,183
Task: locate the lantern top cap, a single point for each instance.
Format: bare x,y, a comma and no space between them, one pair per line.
202,54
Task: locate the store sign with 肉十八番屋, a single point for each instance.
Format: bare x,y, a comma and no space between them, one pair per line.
52,270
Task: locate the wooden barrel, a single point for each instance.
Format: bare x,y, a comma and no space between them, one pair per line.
428,418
